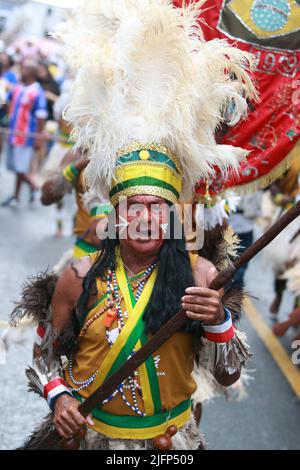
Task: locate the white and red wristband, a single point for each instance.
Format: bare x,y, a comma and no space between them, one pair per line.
220,333
53,389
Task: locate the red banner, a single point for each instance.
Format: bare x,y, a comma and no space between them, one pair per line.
269,29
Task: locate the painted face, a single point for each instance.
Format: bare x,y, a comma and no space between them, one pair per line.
142,222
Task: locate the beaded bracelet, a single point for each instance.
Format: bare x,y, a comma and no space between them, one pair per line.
70,173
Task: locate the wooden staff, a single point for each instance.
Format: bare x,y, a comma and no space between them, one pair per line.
173,325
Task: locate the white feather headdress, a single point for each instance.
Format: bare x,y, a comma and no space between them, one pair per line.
145,73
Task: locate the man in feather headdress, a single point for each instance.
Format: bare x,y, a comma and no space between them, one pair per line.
146,102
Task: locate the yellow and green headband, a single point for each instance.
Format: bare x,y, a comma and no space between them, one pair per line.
146,169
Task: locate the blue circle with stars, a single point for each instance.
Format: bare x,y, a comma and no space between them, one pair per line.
270,15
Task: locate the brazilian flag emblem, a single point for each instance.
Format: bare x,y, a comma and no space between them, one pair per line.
268,23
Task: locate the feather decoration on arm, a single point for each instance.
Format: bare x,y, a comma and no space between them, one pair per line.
145,73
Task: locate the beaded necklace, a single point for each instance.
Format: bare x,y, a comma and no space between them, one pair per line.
112,288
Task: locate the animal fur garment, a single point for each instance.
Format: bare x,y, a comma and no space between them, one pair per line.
35,304
144,73
40,436
35,300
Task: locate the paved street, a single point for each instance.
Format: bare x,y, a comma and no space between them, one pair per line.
268,419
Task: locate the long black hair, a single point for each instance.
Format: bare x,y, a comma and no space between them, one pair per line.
173,277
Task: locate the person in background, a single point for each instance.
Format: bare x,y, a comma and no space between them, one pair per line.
27,115
242,222
291,276
7,72
52,92
71,177
280,328
283,194
50,87
58,150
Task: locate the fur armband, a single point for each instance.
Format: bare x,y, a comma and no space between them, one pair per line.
35,304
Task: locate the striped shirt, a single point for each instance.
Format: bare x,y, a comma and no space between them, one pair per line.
28,104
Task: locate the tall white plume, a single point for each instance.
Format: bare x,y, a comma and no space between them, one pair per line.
144,73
